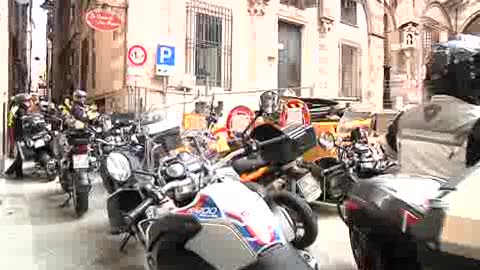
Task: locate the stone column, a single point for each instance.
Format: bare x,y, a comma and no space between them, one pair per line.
324,27
256,10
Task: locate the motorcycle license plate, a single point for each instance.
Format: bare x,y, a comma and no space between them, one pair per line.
309,187
39,143
81,161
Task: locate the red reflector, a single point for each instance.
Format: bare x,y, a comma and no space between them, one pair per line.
408,219
81,149
351,205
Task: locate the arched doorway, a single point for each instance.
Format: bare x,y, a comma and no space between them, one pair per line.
473,26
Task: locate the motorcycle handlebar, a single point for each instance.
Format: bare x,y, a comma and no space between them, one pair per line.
135,213
333,168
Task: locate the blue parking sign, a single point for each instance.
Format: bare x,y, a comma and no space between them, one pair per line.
165,60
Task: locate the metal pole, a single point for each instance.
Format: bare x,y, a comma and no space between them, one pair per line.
30,45
4,75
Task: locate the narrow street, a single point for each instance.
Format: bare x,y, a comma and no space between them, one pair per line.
36,234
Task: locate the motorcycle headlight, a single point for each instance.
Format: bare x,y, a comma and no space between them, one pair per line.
176,170
118,167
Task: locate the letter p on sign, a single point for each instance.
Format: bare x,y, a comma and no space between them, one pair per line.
165,62
165,55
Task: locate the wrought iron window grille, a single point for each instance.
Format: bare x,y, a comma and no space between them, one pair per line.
209,44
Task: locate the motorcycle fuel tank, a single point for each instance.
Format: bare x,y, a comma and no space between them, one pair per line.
237,225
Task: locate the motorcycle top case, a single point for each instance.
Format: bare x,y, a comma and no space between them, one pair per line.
301,138
384,197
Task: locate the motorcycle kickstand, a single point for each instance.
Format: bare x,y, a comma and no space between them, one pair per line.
67,202
125,241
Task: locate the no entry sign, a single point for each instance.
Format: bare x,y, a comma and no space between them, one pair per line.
137,55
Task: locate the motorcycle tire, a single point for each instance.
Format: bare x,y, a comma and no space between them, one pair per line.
367,254
66,187
81,203
303,213
371,255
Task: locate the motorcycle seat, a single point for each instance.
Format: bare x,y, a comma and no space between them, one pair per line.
250,163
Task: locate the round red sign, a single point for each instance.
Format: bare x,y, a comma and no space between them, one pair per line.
103,20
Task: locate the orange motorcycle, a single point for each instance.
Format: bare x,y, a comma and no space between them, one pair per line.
274,169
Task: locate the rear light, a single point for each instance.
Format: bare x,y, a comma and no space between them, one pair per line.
81,149
351,205
408,219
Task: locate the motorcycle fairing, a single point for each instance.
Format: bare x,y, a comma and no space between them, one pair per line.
245,209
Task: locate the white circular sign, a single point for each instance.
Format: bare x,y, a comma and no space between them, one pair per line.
137,55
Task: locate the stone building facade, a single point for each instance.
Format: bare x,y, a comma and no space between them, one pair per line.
370,51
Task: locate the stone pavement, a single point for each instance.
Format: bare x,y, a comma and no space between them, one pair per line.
36,234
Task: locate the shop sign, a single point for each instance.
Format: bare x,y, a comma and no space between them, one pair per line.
103,20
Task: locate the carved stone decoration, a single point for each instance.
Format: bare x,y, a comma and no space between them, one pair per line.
325,24
410,33
257,7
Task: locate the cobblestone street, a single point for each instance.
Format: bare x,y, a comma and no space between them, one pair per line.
36,234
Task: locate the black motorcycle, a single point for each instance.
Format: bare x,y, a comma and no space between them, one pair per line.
356,160
75,167
36,145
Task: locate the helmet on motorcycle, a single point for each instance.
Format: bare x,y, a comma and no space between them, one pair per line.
454,69
23,100
44,106
80,96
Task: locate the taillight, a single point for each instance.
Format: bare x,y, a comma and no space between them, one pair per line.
351,205
81,149
408,219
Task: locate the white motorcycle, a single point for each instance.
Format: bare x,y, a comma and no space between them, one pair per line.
202,217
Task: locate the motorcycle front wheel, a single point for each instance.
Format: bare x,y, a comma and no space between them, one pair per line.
302,216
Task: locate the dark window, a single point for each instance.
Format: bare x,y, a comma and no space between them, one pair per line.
301,4
348,12
94,62
350,72
209,44
84,64
430,37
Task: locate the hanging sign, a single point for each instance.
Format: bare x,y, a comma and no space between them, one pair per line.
103,20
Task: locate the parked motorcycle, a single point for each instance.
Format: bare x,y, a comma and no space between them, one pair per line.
198,215
36,144
356,160
75,167
276,167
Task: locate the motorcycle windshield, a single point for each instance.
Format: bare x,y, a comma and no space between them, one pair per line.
162,132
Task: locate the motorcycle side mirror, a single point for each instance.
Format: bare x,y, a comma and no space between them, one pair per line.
269,102
326,141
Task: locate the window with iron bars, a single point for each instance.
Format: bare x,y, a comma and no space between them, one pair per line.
348,13
430,37
301,4
209,44
350,72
